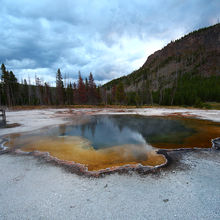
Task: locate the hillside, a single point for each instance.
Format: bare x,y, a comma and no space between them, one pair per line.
185,72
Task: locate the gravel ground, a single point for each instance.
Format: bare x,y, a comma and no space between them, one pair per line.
33,189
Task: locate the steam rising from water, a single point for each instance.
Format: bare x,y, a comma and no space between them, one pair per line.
106,141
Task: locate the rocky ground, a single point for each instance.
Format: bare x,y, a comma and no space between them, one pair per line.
189,189
30,188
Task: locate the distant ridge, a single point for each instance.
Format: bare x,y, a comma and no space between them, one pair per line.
191,60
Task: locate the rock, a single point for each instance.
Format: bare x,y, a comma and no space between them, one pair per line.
216,143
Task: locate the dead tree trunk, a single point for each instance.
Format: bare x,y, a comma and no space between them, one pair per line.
3,115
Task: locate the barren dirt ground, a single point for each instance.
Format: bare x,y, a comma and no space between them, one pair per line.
32,189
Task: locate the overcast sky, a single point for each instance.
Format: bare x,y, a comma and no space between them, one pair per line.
109,38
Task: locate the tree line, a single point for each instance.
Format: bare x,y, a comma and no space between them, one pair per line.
188,90
191,90
83,92
24,93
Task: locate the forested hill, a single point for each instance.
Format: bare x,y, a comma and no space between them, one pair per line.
185,72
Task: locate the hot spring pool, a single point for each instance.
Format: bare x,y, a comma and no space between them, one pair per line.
105,141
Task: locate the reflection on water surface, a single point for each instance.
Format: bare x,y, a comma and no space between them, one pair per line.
114,140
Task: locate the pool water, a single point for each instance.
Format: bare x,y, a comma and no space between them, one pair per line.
104,141
107,131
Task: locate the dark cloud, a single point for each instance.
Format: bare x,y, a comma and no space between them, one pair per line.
108,38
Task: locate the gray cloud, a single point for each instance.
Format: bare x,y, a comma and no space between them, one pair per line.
108,38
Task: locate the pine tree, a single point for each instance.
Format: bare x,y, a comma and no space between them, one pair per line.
113,94
5,85
74,93
98,95
59,88
104,96
120,94
1,94
13,87
47,94
39,90
82,99
92,93
24,93
69,94
87,89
